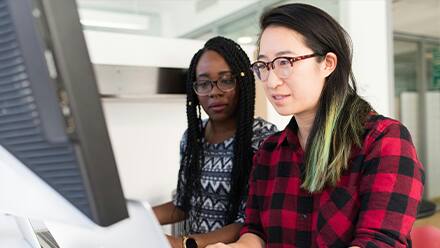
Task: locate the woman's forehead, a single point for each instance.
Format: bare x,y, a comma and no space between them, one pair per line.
211,62
278,40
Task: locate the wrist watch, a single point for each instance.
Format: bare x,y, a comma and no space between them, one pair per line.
189,242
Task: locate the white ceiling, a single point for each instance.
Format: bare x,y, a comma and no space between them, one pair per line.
420,17
136,6
176,17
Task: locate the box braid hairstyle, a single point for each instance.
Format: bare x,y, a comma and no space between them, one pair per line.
192,160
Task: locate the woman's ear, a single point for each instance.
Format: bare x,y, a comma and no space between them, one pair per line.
329,63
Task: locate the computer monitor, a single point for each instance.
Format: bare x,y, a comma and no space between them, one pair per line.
51,119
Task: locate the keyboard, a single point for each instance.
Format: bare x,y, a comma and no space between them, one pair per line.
46,240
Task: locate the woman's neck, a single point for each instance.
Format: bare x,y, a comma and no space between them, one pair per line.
305,123
219,131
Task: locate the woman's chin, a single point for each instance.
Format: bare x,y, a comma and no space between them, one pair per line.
283,111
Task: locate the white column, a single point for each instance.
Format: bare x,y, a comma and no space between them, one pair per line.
369,24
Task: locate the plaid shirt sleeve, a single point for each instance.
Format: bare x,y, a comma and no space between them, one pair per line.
390,189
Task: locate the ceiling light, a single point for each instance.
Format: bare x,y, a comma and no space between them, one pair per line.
245,40
114,20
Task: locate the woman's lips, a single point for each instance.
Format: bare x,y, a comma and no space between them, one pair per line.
217,107
279,98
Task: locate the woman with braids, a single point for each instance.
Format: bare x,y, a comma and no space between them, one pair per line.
339,174
216,154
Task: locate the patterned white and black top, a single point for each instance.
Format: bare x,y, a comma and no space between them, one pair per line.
216,178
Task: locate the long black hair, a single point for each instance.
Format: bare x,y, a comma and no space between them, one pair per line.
339,121
192,159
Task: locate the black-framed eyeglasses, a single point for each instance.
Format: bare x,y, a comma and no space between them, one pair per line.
226,82
282,66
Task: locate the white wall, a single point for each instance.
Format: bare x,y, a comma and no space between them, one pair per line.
409,106
145,135
368,22
139,50
409,116
432,166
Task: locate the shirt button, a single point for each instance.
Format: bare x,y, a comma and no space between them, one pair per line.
304,216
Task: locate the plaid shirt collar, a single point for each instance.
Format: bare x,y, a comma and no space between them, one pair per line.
289,134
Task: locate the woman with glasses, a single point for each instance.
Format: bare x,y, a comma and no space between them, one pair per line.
216,153
340,174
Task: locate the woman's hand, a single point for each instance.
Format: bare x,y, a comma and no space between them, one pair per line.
175,242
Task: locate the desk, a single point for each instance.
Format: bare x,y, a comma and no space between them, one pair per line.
433,220
140,230
10,235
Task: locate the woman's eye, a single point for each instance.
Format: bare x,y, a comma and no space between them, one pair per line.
227,81
203,84
283,62
261,66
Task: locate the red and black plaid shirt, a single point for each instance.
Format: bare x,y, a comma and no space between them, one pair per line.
373,205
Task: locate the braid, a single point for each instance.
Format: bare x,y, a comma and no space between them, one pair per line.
192,156
239,63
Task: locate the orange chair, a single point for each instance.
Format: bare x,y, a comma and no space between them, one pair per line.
425,237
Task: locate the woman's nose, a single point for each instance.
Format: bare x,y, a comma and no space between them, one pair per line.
215,91
273,80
